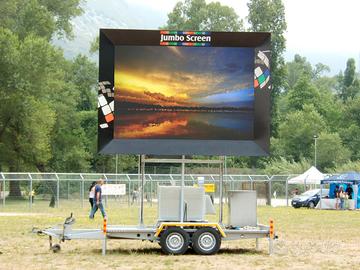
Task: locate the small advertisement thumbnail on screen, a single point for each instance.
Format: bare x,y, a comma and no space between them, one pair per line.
174,92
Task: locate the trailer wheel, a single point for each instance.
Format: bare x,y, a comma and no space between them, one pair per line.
55,248
206,241
174,240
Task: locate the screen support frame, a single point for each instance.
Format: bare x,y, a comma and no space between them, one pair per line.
183,161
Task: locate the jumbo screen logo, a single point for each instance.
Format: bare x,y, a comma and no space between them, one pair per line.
185,38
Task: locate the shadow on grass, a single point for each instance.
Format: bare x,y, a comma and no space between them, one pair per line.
190,251
130,251
248,251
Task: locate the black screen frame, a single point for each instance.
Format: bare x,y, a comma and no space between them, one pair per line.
259,146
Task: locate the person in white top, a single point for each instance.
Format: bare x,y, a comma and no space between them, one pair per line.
92,193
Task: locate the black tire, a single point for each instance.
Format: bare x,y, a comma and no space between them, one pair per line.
55,248
206,241
174,240
311,205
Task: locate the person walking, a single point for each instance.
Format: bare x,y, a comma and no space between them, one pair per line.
98,200
92,194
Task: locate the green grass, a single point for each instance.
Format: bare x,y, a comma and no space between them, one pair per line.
308,239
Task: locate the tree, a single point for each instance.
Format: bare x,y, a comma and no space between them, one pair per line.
94,45
349,166
269,16
283,166
351,139
319,69
302,93
42,18
32,82
197,15
349,74
297,68
296,133
300,67
349,84
352,112
330,151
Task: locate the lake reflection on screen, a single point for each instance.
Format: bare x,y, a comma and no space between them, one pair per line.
184,125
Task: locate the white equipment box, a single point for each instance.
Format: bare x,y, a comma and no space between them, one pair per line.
242,208
169,203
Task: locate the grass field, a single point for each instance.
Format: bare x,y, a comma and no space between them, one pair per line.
308,239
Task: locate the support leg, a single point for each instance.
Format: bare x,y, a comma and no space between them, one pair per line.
182,189
142,171
104,246
221,175
271,246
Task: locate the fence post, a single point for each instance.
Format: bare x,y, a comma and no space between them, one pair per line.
287,191
270,181
129,189
57,191
151,189
4,182
232,182
30,192
106,196
251,183
82,190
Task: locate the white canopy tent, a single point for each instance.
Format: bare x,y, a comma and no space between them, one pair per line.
312,177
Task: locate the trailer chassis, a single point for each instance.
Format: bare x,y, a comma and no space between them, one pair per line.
174,237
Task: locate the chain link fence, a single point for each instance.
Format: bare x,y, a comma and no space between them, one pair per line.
56,189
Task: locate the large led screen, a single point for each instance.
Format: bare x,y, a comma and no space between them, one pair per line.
199,93
184,93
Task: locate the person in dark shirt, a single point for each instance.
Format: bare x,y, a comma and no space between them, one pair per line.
349,190
92,194
336,196
98,200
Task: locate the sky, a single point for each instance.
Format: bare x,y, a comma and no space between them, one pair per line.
325,31
185,76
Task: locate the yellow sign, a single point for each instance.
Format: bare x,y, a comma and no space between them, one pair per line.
210,188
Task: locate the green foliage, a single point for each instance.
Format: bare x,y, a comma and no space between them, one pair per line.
297,68
198,15
349,166
284,166
303,93
330,151
42,18
82,73
43,96
352,112
300,68
297,131
349,75
269,16
349,84
351,139
94,46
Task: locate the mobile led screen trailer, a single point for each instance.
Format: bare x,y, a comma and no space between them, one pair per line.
184,93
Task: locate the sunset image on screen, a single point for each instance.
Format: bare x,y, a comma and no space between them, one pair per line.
184,93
